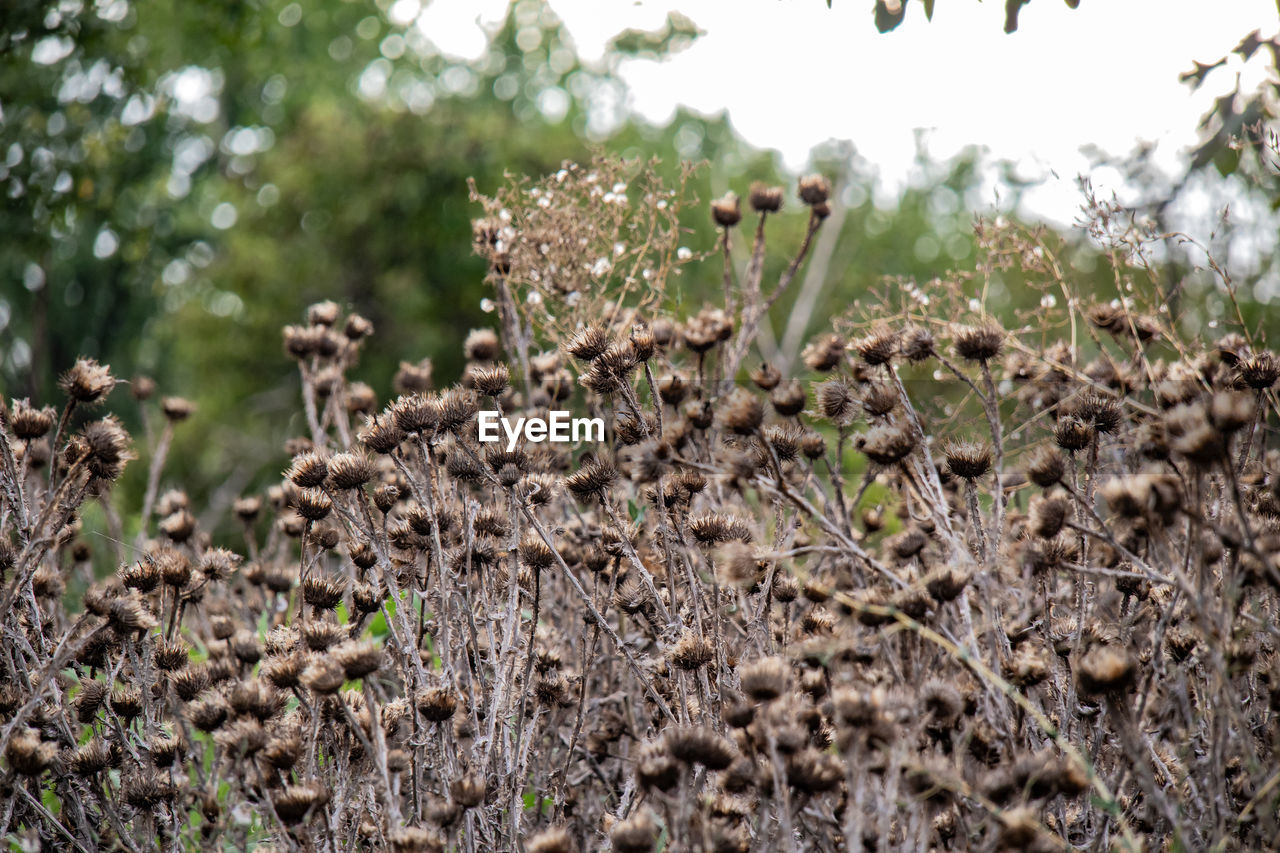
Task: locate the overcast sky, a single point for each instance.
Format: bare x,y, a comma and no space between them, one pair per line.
792,74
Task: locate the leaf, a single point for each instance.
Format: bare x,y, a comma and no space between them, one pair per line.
928,9
1011,10
1226,161
675,34
887,20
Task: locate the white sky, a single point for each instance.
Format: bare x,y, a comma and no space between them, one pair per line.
793,74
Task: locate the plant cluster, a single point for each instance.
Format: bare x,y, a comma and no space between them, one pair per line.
956,587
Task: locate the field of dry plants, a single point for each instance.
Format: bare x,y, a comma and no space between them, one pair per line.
948,585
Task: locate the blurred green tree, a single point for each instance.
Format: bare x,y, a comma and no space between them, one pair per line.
226,166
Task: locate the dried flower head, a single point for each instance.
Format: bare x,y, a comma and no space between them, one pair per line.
764,198
87,382
814,189
726,211
968,460
978,343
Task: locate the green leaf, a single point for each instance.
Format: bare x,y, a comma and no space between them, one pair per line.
886,20
928,9
675,34
1226,160
51,801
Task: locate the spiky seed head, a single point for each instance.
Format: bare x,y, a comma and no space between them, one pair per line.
784,441
1105,670
386,496
350,470
456,407
126,701
314,504
91,758
692,745
148,789
189,682
764,198
358,658
323,593
1028,666
1192,435
323,313
436,704
321,635
416,414
29,423
726,211
1047,516
381,435
324,676
87,382
588,343
591,480
178,526
764,679
978,343
142,388
553,839
766,377
129,615
144,576
917,344
482,345
105,445
535,553
468,790
691,652
491,381
357,327
285,672
90,698
712,527
836,401
814,189
788,399
968,460
177,409
945,584
208,714
879,399
1230,411
643,342
813,445
636,834
1046,467
294,802
743,413
886,445
672,388
825,353
654,768
172,655
878,347
1259,371
308,470
1073,434
1102,411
